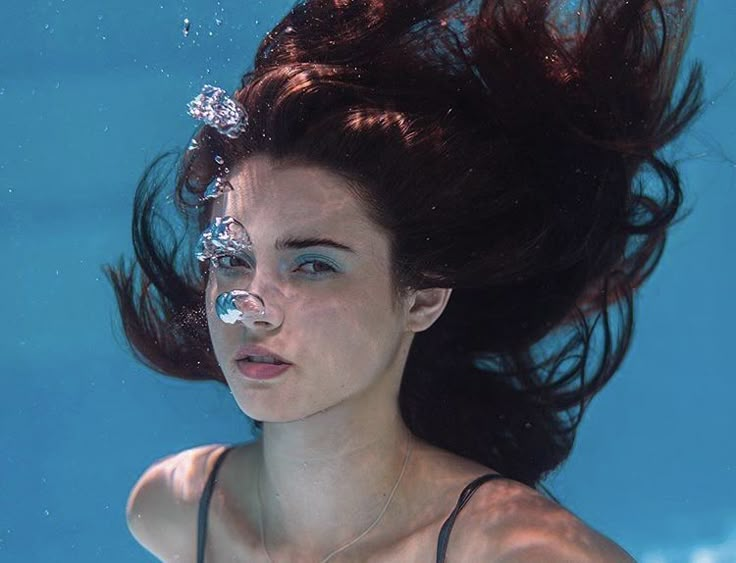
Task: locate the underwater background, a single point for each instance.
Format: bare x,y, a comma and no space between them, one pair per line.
91,92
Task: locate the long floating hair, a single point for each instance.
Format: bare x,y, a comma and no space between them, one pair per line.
507,147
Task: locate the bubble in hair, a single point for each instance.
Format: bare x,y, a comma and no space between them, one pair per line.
216,109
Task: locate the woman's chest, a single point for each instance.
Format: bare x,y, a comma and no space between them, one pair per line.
422,546
232,537
422,518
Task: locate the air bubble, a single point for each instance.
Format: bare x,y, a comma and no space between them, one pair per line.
224,234
238,305
216,109
217,188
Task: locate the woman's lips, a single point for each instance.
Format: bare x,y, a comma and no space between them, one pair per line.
257,370
257,350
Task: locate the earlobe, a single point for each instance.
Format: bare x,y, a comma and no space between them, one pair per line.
427,306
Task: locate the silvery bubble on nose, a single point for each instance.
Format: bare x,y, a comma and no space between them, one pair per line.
223,234
216,109
239,305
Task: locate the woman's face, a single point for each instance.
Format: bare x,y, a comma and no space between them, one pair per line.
338,329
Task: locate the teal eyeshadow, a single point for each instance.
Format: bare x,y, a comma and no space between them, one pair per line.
308,257
300,260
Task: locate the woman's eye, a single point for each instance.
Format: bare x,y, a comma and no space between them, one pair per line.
320,267
228,262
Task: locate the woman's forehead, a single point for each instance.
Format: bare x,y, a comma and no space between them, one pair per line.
305,200
296,194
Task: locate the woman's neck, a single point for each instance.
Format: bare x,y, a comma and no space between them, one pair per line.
324,480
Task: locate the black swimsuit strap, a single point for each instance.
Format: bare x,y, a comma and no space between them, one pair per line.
444,537
204,503
442,542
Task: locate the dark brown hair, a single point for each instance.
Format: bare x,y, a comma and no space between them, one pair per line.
506,147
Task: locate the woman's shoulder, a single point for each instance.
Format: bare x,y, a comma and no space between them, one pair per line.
506,521
162,507
181,475
514,523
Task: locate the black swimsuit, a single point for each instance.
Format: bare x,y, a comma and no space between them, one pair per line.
442,540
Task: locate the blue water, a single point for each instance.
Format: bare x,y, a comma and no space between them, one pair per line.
90,93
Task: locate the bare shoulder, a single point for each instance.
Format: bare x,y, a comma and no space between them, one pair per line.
162,506
517,524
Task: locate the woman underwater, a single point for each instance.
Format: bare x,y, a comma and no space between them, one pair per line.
403,202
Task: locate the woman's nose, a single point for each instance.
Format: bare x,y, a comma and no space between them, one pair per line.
247,308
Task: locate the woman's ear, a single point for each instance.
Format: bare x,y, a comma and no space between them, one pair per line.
426,306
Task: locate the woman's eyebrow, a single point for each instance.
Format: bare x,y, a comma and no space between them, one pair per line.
302,242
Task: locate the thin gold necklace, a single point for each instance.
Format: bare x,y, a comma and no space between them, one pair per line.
351,542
